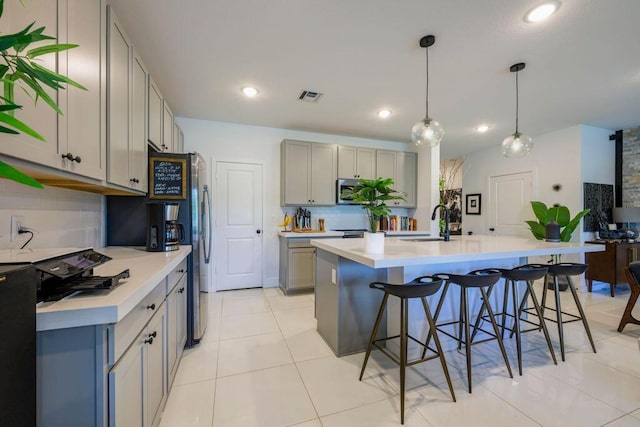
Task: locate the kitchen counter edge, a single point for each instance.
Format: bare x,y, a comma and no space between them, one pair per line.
147,270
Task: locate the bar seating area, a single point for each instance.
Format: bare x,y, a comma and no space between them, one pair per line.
468,328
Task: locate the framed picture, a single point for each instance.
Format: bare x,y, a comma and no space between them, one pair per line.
474,204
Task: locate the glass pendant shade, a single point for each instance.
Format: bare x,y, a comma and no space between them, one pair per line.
427,133
517,145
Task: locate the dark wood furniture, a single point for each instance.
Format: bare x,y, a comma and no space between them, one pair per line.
608,266
633,298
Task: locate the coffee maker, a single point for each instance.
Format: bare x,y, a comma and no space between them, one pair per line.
164,233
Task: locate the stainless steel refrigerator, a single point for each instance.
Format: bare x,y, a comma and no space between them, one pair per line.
126,226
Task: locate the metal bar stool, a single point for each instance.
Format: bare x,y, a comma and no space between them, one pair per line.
420,287
527,273
566,269
483,280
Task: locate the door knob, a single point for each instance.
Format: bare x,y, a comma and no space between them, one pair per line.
492,229
258,231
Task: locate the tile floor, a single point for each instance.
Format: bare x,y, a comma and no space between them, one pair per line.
262,363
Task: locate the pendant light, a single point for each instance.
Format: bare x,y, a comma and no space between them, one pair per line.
517,144
427,132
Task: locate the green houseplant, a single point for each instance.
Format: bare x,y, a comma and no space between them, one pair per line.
557,213
372,195
19,66
560,214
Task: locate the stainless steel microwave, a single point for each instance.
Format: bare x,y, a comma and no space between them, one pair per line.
345,184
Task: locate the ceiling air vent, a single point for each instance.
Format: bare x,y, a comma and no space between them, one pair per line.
309,96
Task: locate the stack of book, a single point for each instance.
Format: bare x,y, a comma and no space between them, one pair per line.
397,223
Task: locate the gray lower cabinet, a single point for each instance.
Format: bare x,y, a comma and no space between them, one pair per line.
116,375
136,382
297,265
176,325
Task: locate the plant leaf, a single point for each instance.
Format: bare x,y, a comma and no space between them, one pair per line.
7,130
537,229
40,92
14,174
540,210
18,125
1,7
52,48
565,234
57,77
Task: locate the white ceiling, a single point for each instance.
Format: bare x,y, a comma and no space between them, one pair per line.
583,65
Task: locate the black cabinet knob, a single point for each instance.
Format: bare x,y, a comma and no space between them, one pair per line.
181,290
492,229
181,270
151,307
149,340
258,231
153,334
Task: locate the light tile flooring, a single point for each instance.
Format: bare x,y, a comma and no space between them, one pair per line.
262,363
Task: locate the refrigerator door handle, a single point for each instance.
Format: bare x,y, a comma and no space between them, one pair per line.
206,211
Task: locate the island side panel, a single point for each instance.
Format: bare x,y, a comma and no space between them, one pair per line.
346,308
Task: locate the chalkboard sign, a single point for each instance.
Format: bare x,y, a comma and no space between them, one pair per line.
168,178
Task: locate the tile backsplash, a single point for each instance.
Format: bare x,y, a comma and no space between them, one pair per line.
59,217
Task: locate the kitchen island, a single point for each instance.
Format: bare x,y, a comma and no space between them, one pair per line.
346,307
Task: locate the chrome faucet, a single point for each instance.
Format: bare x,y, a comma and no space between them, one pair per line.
447,234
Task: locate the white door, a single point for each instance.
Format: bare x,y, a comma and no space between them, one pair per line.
238,225
510,204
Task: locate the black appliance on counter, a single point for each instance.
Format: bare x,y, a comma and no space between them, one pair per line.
179,179
18,349
66,274
164,233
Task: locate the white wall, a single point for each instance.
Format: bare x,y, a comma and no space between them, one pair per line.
61,218
555,159
218,141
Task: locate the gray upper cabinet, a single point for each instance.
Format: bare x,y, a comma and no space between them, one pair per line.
402,167
167,128
119,60
308,173
127,108
356,162
81,130
138,147
75,141
154,133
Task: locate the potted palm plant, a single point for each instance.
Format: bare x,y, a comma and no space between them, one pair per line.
372,195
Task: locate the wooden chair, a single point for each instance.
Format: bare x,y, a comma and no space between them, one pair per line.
633,275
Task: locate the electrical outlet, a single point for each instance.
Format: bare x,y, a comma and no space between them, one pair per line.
17,221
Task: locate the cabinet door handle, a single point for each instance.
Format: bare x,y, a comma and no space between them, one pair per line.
152,306
181,270
153,334
70,157
181,290
149,340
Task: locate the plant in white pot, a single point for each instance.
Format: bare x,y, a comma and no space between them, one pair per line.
372,195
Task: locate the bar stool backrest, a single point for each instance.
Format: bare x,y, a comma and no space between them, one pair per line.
419,287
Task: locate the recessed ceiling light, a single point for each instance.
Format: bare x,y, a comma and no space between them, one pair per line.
384,114
482,128
542,11
250,91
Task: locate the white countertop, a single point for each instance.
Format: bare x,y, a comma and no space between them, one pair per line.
147,269
401,252
331,233
310,235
